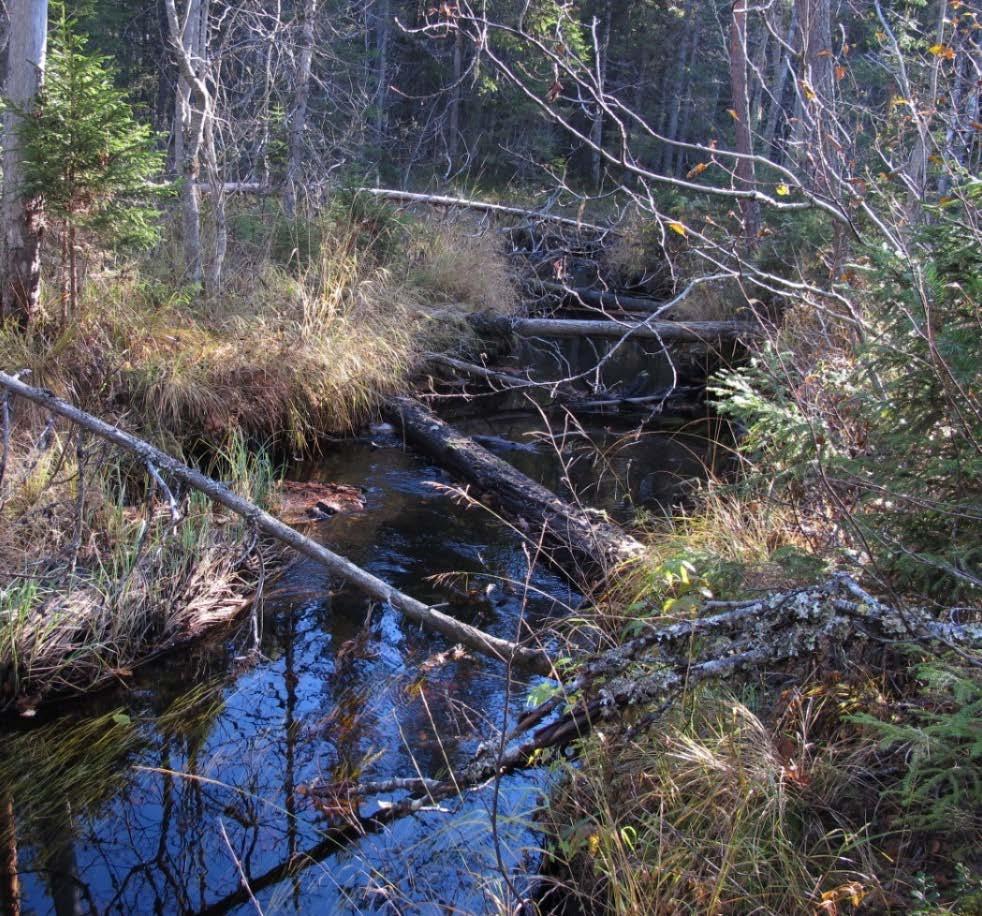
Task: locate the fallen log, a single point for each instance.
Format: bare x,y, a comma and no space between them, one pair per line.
157,461
694,332
751,634
594,544
439,200
604,299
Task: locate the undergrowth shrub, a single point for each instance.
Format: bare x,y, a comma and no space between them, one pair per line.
937,732
887,428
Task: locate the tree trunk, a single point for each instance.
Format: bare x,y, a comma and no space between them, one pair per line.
195,130
678,75
778,90
574,539
297,120
453,128
744,170
383,30
597,127
23,222
188,125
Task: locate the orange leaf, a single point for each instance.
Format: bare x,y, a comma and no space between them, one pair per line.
825,52
732,113
697,170
840,72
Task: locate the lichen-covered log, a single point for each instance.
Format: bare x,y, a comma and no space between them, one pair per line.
580,542
744,635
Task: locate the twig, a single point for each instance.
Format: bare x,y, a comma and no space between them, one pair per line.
239,868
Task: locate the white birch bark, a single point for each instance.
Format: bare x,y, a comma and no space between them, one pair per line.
23,221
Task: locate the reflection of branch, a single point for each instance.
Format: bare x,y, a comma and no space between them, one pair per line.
262,520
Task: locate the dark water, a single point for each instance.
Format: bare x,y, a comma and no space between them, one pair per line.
155,810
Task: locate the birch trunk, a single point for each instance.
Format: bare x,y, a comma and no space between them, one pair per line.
744,169
23,222
297,121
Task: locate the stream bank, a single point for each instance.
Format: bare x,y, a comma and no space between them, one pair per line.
326,698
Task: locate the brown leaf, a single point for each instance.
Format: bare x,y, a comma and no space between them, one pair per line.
554,90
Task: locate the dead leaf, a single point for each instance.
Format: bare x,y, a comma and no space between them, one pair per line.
679,228
697,170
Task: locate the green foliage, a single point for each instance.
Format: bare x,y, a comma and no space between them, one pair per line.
895,426
940,733
86,154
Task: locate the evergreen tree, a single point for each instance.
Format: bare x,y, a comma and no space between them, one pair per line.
87,156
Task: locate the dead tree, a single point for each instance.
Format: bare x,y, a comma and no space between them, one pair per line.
158,463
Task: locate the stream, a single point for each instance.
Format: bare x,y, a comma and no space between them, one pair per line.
155,795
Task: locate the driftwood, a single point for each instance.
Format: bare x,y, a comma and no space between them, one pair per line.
704,332
157,461
438,200
571,534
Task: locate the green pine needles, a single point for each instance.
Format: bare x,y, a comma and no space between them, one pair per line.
89,158
893,429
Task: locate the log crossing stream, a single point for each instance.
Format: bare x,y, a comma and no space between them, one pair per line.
159,795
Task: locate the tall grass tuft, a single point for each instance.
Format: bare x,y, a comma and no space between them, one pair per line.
717,812
97,575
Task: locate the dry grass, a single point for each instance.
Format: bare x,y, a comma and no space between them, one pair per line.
96,576
290,350
728,813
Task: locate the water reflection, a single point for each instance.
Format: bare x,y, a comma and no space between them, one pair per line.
128,813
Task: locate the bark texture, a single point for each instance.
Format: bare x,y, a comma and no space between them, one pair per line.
574,539
23,220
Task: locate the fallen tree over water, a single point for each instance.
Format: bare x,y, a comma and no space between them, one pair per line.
570,532
647,674
158,462
686,332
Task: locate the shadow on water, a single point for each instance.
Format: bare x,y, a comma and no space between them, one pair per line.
121,806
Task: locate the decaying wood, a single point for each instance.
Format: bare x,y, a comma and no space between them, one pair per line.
695,332
594,544
751,634
337,565
676,401
438,200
